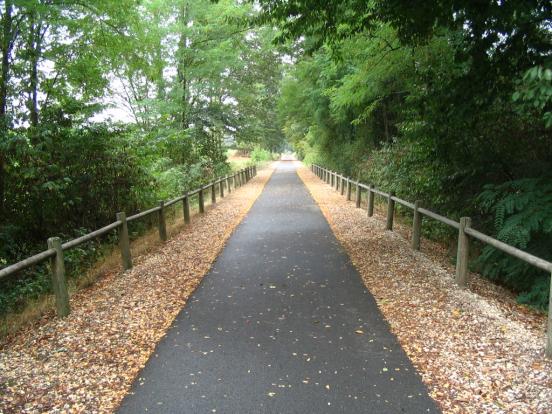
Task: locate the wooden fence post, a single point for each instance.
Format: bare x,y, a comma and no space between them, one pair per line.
221,184
200,200
370,201
548,351
213,193
228,187
463,252
416,226
390,211
349,189
342,189
59,283
186,207
358,195
161,222
124,242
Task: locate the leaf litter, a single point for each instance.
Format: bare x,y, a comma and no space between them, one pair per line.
477,350
87,362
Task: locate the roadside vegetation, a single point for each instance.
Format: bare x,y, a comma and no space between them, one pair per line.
444,102
110,106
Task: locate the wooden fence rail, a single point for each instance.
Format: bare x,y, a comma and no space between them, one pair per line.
465,232
56,247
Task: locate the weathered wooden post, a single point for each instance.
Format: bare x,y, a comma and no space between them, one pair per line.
186,207
124,242
370,201
213,193
228,187
358,195
59,283
200,200
463,252
161,221
548,351
221,184
349,189
390,211
342,185
416,226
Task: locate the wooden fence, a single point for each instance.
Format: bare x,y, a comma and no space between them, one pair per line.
465,231
55,250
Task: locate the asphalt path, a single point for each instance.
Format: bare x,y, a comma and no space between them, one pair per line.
281,324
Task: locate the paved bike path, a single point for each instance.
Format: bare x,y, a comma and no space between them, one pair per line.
281,324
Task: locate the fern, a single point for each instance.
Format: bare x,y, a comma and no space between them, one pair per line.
522,211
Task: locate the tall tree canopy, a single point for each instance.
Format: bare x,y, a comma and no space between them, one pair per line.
444,101
109,106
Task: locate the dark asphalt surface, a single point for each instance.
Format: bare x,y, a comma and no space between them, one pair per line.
271,329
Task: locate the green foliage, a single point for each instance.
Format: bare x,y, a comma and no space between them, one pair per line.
260,155
182,79
535,92
522,211
431,100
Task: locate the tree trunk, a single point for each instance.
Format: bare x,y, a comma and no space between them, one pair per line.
34,47
386,122
7,43
160,83
181,70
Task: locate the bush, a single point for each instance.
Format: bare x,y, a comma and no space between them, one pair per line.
260,154
522,212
